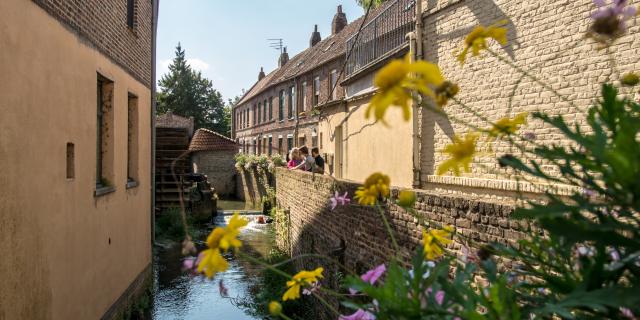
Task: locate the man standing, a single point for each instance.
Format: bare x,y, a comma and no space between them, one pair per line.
319,161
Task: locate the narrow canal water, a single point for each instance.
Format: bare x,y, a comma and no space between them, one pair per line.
179,295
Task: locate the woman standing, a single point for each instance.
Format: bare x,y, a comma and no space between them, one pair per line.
295,160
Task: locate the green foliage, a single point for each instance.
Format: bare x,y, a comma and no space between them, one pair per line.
370,3
169,225
583,264
187,93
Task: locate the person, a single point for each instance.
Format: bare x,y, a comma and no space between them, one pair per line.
295,160
308,163
319,161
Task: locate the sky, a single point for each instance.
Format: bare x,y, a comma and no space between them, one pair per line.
227,39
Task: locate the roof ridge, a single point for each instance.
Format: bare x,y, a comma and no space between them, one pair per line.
217,134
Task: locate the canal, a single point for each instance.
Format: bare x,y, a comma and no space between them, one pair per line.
180,295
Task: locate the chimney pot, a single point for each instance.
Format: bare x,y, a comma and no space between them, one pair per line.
315,37
261,74
339,21
284,58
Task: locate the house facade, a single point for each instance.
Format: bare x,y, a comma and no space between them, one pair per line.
76,81
277,113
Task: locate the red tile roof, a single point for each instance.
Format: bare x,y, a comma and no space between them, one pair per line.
207,140
170,120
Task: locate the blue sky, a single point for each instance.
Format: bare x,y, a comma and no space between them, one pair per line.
227,39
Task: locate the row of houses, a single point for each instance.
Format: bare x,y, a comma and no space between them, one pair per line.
319,96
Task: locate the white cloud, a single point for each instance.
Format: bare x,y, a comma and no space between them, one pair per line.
195,63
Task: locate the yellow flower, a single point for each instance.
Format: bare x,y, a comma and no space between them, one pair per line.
302,278
406,198
477,39
462,152
212,262
630,79
375,187
507,126
275,308
395,83
434,240
225,237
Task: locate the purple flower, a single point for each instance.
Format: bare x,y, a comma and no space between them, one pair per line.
337,199
371,276
610,20
529,136
439,297
359,315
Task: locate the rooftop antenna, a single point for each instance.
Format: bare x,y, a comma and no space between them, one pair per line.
276,44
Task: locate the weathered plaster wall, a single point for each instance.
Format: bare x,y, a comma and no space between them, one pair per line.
544,36
219,168
355,235
65,253
368,146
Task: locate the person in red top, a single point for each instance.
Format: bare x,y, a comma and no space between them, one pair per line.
295,160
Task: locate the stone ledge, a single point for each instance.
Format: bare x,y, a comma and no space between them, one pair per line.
503,185
129,297
101,191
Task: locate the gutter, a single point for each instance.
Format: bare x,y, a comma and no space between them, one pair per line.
156,8
415,43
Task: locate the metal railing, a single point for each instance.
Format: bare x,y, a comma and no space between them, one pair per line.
383,34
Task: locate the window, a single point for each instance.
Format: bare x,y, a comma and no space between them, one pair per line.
320,140
289,143
316,91
302,141
260,146
256,113
132,141
255,146
314,141
270,145
281,106
71,166
104,134
292,101
259,112
303,94
131,12
333,89
280,145
270,108
264,111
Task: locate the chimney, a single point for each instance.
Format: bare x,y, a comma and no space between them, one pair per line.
261,74
339,21
315,37
284,58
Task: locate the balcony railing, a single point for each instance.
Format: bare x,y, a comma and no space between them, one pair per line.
384,34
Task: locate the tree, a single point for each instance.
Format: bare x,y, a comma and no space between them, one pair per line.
186,92
369,3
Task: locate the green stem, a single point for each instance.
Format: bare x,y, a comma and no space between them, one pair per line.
389,230
530,76
326,304
284,316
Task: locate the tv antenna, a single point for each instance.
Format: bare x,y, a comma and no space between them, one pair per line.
276,44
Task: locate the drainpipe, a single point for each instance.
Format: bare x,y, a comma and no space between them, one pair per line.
415,45
156,6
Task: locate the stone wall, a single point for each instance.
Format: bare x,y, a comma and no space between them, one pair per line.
218,166
250,185
356,236
544,36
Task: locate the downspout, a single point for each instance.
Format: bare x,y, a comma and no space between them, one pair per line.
415,46
156,6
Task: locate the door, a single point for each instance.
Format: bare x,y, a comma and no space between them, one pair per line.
338,152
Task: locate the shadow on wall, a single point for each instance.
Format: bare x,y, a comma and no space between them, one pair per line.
250,185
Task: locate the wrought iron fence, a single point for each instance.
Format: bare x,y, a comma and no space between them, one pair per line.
383,34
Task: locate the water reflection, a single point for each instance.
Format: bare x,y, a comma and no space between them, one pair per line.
182,296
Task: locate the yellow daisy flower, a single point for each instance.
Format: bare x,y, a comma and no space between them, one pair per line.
507,126
302,278
434,241
275,308
397,80
477,39
375,187
445,91
462,152
212,262
406,198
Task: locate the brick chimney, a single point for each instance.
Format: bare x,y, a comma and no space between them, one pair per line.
261,74
284,58
339,21
315,37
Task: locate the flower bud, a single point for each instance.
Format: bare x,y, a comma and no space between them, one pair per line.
630,79
275,308
406,198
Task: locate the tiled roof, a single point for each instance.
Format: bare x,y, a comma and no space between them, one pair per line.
324,51
207,140
170,120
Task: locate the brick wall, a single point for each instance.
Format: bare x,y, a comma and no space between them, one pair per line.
544,36
355,235
103,23
217,166
251,185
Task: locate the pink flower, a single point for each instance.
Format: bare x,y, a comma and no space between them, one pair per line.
626,312
359,315
337,199
609,22
371,276
224,292
191,263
